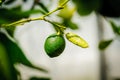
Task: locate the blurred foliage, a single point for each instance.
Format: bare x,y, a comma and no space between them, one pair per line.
109,8
1,1
115,28
66,14
85,7
9,2
43,6
104,44
7,71
13,49
14,54
37,78
70,24
11,53
14,14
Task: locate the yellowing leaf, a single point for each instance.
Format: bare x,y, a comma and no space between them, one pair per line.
67,12
77,40
61,1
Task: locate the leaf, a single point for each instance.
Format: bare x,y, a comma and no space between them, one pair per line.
14,14
110,8
31,12
37,78
16,54
7,2
1,1
67,12
10,15
60,2
58,27
24,0
11,30
43,7
104,44
77,40
70,24
85,7
7,71
115,28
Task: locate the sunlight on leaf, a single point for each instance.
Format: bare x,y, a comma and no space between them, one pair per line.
77,40
1,1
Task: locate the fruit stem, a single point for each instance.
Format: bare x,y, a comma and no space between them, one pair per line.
58,27
33,19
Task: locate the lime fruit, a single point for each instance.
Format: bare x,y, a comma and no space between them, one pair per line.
54,45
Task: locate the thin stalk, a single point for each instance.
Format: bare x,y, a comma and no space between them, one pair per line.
33,19
20,22
59,28
103,65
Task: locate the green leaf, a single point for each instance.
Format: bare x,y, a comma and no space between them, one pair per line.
70,24
25,13
24,0
7,71
11,30
110,8
37,78
10,15
58,27
7,2
115,28
14,14
1,1
43,7
15,53
104,44
85,7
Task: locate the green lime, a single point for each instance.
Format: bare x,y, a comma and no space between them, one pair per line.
54,45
